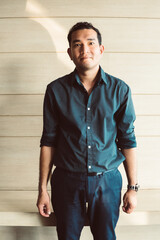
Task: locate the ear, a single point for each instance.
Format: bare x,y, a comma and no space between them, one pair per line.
101,49
69,53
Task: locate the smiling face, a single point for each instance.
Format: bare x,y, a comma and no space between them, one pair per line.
85,50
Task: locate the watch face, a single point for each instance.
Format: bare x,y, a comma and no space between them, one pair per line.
134,187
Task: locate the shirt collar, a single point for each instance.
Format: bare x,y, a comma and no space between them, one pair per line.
103,76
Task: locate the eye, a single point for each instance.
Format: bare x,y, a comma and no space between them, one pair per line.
91,43
77,45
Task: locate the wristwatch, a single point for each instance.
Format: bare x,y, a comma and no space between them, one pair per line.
133,187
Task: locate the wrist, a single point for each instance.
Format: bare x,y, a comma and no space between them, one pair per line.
42,188
134,187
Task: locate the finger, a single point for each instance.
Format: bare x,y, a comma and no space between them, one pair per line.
125,205
42,210
125,209
47,209
131,208
128,209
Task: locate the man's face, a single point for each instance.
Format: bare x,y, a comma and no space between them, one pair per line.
85,50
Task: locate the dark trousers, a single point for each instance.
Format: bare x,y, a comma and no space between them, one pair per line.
71,191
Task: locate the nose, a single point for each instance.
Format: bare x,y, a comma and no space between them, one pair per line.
84,49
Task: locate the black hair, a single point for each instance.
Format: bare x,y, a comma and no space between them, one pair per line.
84,25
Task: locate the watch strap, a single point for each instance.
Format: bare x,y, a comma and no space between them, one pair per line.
133,187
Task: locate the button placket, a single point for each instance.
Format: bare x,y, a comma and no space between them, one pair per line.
89,133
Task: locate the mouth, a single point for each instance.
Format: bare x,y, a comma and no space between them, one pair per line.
85,58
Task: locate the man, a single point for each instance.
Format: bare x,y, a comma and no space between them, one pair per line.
88,132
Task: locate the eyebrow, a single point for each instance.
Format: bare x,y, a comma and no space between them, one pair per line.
89,39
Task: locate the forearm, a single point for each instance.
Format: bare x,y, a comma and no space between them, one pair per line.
45,166
130,198
130,165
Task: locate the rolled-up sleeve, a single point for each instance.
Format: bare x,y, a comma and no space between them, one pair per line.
125,120
50,120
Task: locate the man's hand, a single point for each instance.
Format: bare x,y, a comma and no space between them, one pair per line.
43,204
129,201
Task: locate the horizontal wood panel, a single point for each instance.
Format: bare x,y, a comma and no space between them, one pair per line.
130,230
147,126
20,126
148,156
21,219
140,71
19,163
15,201
33,104
146,104
29,73
107,8
20,160
32,125
138,231
49,34
148,153
21,104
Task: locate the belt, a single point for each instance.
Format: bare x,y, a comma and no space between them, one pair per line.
94,173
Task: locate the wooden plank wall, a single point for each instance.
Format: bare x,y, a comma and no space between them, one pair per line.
33,53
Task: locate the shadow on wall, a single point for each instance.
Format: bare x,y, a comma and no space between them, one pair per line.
25,233
34,62
33,48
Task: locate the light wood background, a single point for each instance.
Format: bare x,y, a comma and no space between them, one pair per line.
33,48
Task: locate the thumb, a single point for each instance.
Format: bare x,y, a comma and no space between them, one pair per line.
125,204
47,209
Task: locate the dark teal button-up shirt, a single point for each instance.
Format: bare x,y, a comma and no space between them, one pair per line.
88,131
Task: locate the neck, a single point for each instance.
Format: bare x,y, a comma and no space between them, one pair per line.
88,76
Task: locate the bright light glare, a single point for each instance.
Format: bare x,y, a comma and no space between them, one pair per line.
55,30
34,7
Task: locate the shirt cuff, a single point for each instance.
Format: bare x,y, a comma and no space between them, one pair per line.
127,143
48,141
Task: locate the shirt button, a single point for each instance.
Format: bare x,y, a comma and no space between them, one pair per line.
89,167
89,108
89,127
89,146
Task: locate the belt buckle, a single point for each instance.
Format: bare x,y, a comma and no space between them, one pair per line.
94,173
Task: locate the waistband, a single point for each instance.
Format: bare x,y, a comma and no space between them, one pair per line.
92,174
95,173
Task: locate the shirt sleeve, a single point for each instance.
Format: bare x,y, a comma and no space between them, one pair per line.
125,120
50,120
